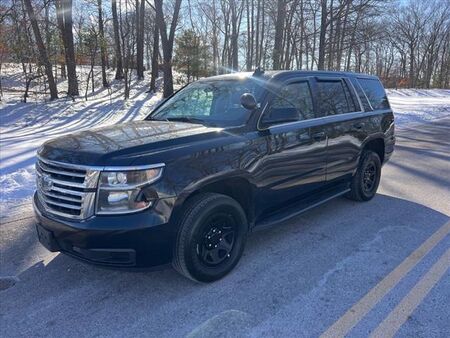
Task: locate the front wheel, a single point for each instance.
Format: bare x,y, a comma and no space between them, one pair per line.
211,237
365,183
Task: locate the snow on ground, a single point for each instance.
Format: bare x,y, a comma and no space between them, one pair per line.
419,105
25,126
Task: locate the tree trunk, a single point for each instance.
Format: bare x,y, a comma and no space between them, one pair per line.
65,6
248,59
411,66
331,37
140,8
155,57
60,21
236,16
43,56
215,40
118,49
258,11
279,28
167,42
102,44
323,29
69,50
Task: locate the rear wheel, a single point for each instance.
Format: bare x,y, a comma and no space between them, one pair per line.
211,237
365,183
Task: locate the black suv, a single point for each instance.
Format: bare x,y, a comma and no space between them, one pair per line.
223,156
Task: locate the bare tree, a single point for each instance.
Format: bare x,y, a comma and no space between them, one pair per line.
101,32
405,43
140,11
279,28
65,8
155,59
117,47
323,31
43,56
167,42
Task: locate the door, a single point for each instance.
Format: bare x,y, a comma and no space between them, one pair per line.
344,124
295,158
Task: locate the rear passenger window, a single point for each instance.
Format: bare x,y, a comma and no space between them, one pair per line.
365,103
292,103
334,98
375,93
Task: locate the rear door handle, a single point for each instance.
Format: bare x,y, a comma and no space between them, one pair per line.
319,135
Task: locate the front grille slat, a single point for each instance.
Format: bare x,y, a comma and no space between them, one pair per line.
68,191
65,183
65,190
44,167
61,196
62,205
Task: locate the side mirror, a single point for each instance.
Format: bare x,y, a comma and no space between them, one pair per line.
248,101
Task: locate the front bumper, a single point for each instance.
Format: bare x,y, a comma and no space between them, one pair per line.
142,239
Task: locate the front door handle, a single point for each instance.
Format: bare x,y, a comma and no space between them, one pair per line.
319,135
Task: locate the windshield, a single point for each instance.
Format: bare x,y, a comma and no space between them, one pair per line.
213,103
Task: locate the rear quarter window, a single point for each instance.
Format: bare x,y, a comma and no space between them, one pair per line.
375,93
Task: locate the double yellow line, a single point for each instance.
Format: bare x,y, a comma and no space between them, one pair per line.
392,323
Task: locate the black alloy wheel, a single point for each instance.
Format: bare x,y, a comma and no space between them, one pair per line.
217,241
369,177
211,237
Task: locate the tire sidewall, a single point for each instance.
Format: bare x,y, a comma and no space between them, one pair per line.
368,158
196,220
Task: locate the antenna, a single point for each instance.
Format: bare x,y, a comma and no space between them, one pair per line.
258,72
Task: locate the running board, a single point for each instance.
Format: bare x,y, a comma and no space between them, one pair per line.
293,211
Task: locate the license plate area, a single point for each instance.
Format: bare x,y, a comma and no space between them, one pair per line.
47,239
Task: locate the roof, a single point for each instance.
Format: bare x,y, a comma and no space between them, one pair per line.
280,74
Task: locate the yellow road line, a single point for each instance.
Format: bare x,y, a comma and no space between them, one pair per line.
392,323
344,324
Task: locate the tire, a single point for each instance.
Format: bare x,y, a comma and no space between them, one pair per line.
211,237
365,182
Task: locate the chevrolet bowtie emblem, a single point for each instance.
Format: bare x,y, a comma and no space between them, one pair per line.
46,182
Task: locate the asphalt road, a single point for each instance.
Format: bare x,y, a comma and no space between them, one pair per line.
344,268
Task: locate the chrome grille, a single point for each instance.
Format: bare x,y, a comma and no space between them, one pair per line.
65,189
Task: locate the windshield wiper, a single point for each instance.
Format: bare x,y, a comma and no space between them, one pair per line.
187,119
154,119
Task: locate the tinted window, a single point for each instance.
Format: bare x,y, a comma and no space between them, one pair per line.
334,98
292,103
375,93
361,95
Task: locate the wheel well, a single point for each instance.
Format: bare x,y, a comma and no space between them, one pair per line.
237,188
376,145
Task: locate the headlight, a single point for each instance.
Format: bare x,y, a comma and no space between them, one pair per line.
120,192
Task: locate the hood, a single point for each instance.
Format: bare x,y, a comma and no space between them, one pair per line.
120,144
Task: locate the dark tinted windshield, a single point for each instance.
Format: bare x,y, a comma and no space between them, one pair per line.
214,103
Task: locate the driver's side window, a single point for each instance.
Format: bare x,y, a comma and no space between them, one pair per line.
292,103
